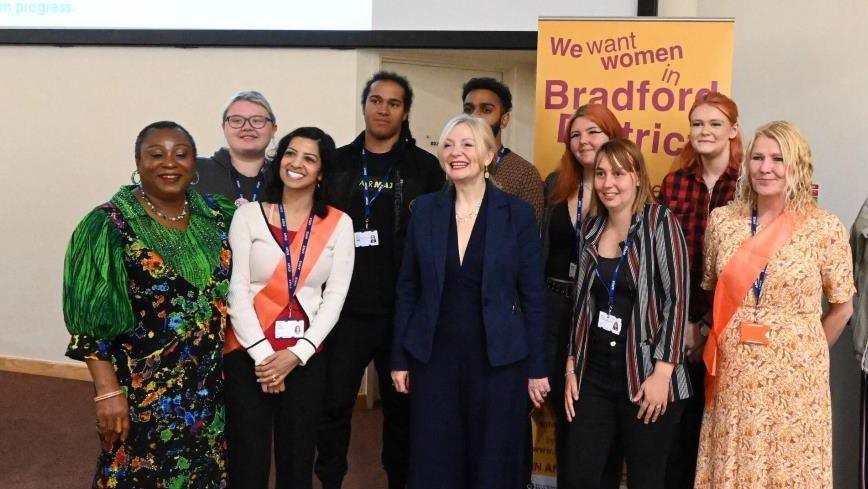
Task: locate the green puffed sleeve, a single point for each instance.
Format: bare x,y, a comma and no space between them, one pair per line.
225,206
96,307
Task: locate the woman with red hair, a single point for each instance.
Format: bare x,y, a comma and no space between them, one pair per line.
705,181
568,193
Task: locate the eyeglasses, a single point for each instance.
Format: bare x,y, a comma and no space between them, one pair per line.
238,121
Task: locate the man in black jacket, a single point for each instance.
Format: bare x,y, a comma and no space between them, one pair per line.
375,180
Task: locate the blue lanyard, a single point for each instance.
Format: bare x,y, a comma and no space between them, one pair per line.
611,289
259,179
500,154
290,279
366,192
758,283
577,250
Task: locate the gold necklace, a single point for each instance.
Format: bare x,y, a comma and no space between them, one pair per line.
462,218
160,213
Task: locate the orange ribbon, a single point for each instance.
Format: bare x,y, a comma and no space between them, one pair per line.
272,299
736,280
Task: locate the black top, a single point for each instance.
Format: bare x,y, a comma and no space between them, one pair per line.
217,176
604,355
374,265
415,172
562,242
461,305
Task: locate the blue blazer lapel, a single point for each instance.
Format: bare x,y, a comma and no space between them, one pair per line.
439,237
496,225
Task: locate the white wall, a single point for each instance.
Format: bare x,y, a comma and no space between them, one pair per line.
70,117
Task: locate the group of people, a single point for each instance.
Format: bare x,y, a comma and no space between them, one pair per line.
228,306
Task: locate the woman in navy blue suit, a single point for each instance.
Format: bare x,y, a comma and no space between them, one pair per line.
469,323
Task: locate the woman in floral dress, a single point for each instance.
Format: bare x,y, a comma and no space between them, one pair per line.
770,256
144,298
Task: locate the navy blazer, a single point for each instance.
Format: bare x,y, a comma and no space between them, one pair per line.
513,284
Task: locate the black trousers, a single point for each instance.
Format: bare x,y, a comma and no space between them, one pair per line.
356,340
255,419
604,413
681,468
558,332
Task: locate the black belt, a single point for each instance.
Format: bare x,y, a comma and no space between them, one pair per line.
565,288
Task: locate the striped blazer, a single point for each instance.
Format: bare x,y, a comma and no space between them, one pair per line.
659,274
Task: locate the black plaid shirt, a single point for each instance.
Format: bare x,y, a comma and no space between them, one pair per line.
686,195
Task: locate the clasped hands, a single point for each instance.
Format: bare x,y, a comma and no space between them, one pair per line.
272,371
537,389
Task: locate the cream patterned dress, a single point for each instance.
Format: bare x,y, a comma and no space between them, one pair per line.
771,423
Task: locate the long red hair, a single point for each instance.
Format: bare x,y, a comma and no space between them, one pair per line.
724,104
570,169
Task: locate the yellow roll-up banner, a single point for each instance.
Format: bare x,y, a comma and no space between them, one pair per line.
647,71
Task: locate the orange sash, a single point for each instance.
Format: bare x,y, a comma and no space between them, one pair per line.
736,280
274,297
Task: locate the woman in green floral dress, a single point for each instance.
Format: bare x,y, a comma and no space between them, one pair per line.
144,298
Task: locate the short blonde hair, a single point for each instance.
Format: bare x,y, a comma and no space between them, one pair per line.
798,163
623,155
482,137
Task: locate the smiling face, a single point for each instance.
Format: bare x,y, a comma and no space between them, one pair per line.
615,187
767,170
711,132
461,157
167,163
384,110
300,165
585,140
247,140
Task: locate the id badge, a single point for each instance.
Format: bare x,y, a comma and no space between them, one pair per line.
573,269
289,329
609,322
366,238
754,333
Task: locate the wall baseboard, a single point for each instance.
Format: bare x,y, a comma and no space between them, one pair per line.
63,370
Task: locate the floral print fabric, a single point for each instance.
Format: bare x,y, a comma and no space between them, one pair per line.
169,365
770,425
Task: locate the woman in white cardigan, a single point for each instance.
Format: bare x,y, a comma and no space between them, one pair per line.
292,264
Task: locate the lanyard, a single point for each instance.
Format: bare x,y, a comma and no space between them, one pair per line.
576,249
500,154
366,192
611,288
290,279
758,283
259,179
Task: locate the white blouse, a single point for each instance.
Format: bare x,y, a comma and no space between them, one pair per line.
255,254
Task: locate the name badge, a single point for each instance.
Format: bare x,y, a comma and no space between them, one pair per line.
366,238
288,329
573,269
609,322
754,334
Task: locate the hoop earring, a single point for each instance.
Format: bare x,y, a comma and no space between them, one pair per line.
133,176
195,179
